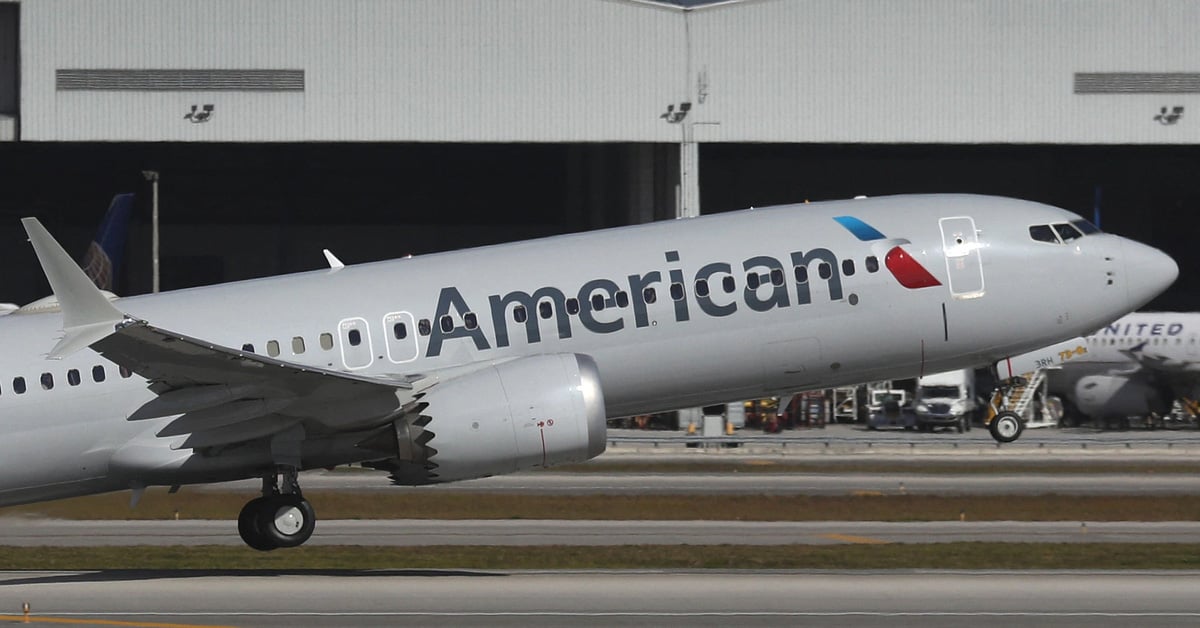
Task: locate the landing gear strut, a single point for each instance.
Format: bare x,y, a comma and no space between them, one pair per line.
280,518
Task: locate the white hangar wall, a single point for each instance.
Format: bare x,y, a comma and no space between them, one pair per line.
888,71
948,71
369,70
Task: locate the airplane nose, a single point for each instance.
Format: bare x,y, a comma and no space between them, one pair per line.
1148,271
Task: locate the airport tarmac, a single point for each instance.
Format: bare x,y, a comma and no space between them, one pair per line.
31,532
604,598
733,483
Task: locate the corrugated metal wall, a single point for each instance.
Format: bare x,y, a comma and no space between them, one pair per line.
943,70
414,70
605,70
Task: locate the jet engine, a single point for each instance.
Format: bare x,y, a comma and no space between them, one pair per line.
1100,396
531,412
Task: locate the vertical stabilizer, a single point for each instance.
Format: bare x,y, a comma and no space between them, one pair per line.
102,262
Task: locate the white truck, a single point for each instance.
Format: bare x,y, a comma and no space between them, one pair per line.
946,400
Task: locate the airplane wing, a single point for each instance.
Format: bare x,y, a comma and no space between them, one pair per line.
225,396
222,395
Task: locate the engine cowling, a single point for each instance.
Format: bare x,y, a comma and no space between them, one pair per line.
1113,395
531,412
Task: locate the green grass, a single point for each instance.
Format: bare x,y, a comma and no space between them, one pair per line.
840,557
158,504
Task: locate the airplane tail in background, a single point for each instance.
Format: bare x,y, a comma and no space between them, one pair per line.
103,258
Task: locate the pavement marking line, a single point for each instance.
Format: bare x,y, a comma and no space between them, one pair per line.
37,619
857,540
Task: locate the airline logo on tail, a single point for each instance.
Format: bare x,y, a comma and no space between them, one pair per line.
103,257
903,266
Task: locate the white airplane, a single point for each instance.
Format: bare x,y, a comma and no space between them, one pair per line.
496,359
1137,365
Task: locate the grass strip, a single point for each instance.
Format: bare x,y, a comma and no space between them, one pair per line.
953,466
157,504
506,558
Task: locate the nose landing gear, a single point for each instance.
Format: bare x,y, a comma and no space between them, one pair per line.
278,518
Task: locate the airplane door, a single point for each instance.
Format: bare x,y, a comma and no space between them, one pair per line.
356,343
963,266
400,331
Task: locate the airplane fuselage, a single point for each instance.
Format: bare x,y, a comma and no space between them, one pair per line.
674,314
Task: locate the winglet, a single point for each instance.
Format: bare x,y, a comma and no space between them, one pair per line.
87,314
334,262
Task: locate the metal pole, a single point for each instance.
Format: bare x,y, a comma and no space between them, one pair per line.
152,177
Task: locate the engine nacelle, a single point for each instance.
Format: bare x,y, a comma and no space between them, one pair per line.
531,412
1101,396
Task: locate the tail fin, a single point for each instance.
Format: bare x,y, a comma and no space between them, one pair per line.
103,258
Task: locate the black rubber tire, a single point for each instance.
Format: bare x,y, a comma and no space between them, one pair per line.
287,520
248,526
1006,427
961,424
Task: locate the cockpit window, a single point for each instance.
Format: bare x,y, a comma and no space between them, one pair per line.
1043,233
1085,227
1067,232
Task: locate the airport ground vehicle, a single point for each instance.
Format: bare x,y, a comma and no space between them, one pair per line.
946,400
889,408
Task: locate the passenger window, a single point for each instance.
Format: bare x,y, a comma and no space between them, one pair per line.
470,321
125,373
872,264
447,323
776,277
273,345
622,298
545,309
327,341
1043,233
729,284
801,273
650,296
598,302
73,377
248,348
752,281
519,314
47,381
354,337
701,288
297,345
572,305
424,327
1067,232
97,373
847,267
19,385
400,331
824,270
677,292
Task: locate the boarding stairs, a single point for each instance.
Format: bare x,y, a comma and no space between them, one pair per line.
1026,396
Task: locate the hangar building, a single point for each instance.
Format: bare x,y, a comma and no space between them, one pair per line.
385,127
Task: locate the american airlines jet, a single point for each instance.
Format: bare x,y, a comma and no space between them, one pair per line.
496,359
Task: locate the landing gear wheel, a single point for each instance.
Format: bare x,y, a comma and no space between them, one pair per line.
286,520
1006,427
248,526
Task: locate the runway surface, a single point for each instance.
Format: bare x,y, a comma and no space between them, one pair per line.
448,598
556,483
420,532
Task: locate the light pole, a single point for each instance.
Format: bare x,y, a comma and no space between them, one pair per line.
152,177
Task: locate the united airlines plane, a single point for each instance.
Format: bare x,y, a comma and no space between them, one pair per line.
496,359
